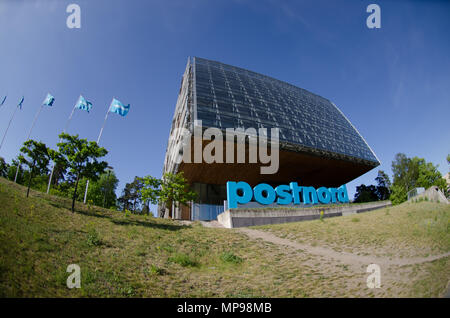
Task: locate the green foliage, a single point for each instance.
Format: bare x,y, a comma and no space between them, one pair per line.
171,188
410,173
81,158
12,172
4,167
155,270
365,193
35,155
174,188
229,257
184,260
151,189
383,188
100,192
430,176
131,198
93,238
398,194
374,193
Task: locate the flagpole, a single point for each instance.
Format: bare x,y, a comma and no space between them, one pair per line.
98,140
3,101
28,137
65,128
6,131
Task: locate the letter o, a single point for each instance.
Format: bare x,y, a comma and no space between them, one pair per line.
258,193
324,195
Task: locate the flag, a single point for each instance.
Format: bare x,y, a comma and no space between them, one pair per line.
48,100
83,104
20,103
3,101
119,108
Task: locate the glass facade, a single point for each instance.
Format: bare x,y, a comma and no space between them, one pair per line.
232,97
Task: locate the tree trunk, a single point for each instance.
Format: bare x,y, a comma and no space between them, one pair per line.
75,193
29,179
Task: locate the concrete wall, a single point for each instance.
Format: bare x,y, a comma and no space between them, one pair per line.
432,194
250,217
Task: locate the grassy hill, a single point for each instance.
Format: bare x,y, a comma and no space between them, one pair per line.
142,256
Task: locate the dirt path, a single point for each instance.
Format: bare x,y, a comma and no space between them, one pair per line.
347,258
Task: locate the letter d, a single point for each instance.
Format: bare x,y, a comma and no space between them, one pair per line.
342,194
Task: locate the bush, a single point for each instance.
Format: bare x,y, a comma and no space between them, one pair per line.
93,238
398,195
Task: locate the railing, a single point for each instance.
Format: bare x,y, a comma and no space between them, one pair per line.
205,211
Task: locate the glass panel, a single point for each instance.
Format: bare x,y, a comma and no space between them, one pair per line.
251,99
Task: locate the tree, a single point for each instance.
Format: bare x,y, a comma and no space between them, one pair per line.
410,173
151,189
429,176
171,188
81,158
131,195
102,191
135,194
60,168
366,194
4,167
404,172
374,193
383,188
35,155
398,194
124,199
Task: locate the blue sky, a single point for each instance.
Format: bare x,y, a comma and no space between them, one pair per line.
392,83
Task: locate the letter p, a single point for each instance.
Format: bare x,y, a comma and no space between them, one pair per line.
233,196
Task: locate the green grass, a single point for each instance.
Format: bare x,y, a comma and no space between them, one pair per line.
409,229
142,256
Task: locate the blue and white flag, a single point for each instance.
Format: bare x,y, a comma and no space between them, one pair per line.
48,100
119,108
3,101
20,103
83,104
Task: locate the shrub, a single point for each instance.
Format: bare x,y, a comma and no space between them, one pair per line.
355,220
93,238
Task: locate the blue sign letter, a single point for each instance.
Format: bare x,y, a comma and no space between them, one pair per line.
234,198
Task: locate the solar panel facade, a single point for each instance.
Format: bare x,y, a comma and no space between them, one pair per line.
233,97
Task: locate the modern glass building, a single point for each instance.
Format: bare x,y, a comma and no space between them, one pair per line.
319,146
